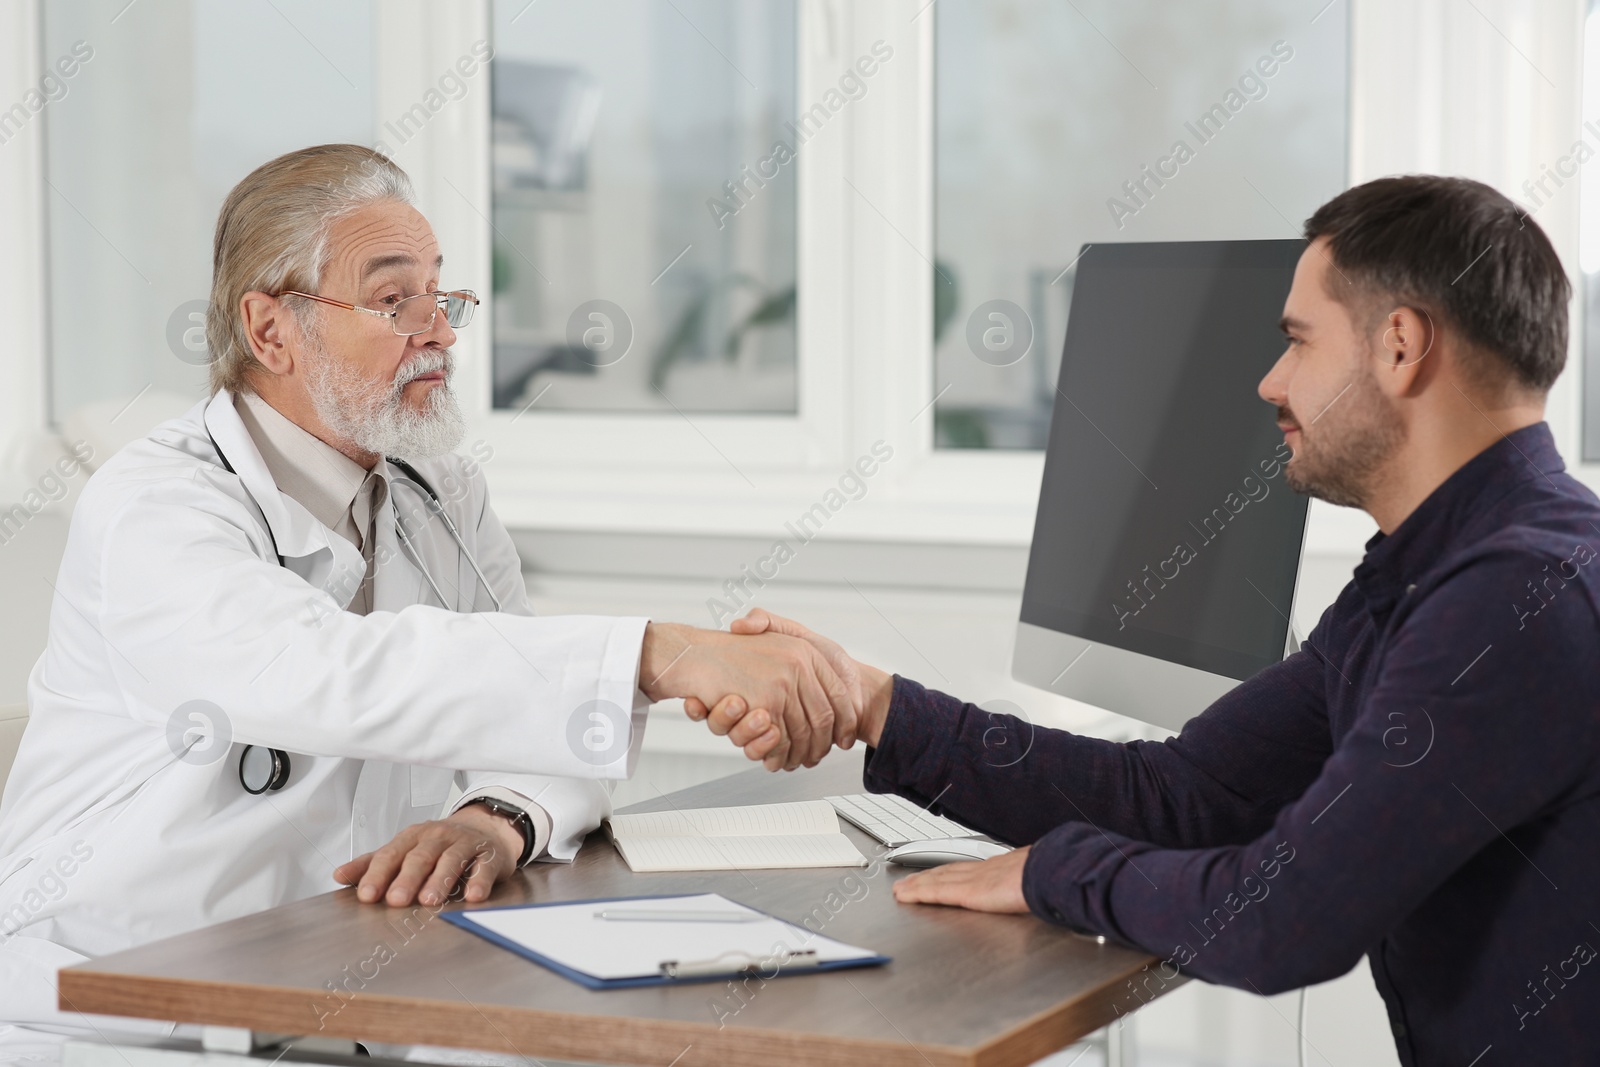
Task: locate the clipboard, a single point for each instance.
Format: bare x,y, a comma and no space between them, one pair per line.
691,963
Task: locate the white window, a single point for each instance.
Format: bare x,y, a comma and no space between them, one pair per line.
712,235
1060,125
167,106
981,141
644,190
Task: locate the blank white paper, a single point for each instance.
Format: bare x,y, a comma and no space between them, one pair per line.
571,935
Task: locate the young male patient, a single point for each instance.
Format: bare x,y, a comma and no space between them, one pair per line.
1420,783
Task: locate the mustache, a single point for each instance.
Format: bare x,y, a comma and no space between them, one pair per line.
426,363
1286,418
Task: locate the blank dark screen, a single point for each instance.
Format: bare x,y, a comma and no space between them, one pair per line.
1164,524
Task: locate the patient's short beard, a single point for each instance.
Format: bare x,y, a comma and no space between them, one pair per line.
1341,459
375,417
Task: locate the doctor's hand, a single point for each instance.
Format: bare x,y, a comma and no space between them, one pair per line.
426,862
774,695
870,689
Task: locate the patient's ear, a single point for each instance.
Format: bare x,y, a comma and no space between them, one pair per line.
263,317
1406,339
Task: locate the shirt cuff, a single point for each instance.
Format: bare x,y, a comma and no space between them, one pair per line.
629,644
1062,870
537,816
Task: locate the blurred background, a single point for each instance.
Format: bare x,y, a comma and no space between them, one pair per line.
725,246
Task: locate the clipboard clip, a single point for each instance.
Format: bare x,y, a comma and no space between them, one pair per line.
724,964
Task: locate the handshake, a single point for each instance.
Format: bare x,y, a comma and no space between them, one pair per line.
780,692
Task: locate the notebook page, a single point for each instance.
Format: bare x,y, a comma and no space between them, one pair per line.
649,854
755,820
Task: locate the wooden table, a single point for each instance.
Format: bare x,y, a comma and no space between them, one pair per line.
963,988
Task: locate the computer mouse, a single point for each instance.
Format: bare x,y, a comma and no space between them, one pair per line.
952,850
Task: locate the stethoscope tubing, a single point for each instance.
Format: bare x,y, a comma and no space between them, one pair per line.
432,499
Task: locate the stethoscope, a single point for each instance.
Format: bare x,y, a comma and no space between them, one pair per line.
430,500
266,769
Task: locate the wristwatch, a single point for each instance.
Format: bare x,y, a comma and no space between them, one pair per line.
519,819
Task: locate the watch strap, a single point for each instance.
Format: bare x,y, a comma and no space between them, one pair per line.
518,818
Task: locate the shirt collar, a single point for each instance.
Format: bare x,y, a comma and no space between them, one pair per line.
1393,562
319,476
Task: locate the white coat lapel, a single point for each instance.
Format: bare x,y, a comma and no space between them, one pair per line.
309,549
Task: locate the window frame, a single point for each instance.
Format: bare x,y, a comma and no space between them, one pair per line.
866,367
25,408
1586,287
863,325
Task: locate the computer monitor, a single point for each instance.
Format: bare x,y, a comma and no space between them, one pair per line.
1166,544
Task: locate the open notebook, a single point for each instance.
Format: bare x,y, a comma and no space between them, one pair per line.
801,834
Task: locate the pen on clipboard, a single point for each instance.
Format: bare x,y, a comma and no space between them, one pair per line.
646,915
723,964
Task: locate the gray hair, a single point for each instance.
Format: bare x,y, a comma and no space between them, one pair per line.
272,235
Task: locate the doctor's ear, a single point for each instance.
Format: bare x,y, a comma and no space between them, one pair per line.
265,326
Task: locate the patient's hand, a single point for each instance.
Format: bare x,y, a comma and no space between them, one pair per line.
776,696
426,861
992,885
870,689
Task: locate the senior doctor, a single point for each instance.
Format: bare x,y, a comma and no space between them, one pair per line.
288,621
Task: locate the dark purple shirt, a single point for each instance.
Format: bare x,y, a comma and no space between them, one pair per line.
1420,783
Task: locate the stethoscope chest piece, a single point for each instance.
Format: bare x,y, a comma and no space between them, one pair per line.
261,769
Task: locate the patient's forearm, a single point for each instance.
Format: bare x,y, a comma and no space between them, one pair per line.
1218,783
877,690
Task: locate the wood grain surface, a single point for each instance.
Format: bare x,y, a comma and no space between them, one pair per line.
963,988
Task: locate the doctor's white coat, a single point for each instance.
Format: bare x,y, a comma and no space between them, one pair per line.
120,825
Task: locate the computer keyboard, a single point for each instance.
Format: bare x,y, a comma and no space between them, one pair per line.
894,820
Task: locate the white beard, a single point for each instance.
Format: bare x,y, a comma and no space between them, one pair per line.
376,417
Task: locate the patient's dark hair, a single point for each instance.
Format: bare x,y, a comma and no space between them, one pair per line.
1461,252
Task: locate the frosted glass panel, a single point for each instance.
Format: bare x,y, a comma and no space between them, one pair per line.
175,104
638,265
1107,120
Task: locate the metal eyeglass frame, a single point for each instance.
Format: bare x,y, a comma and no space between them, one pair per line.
441,299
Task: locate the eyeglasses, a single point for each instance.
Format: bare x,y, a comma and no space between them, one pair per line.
414,314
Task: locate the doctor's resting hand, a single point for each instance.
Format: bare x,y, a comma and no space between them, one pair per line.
776,695
428,861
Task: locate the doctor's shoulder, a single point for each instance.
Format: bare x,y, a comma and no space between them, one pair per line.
168,471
